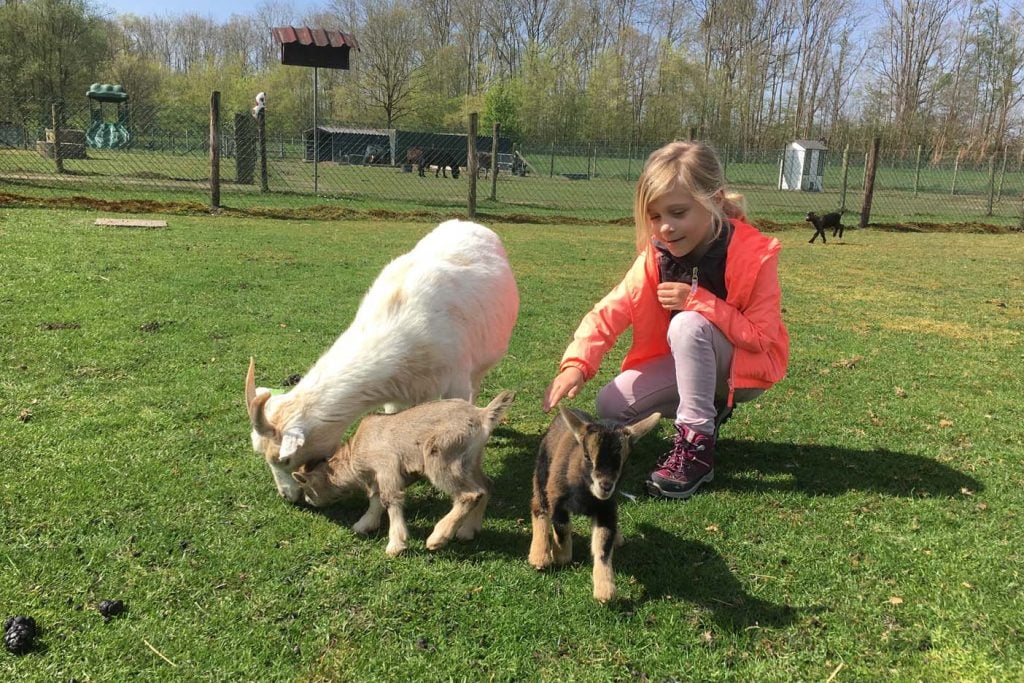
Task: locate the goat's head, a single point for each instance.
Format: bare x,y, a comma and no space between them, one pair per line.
605,447
276,433
316,485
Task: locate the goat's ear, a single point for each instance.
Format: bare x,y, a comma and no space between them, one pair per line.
300,478
575,421
258,417
291,442
636,430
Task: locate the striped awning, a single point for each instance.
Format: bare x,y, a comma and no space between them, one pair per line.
303,35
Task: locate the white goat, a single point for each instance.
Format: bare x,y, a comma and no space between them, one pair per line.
431,326
441,440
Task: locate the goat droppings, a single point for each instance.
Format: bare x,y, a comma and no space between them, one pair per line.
110,608
19,634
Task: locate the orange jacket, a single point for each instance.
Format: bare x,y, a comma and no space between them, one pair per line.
750,317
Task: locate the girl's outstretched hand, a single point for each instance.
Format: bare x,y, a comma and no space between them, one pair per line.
566,384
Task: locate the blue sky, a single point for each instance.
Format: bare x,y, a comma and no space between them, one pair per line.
219,10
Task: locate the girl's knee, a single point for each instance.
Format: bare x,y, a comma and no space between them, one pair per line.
688,322
612,404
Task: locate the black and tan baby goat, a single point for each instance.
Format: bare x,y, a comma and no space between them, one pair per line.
578,467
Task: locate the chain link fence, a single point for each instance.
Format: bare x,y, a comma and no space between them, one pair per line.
120,152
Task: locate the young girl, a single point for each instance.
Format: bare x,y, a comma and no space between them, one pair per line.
704,301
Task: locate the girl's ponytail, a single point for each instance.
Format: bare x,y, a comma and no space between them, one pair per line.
734,205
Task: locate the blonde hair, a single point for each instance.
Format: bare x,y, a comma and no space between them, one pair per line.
690,166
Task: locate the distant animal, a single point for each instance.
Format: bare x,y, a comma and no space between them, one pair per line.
822,223
442,159
441,440
432,324
376,154
483,164
579,464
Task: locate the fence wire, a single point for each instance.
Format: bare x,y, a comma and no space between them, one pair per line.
118,152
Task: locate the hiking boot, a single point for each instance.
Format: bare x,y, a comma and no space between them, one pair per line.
690,463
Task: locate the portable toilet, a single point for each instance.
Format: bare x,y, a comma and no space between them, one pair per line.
802,166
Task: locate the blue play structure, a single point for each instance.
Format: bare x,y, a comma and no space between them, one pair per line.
103,134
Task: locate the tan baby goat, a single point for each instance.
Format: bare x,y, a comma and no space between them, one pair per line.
440,440
578,467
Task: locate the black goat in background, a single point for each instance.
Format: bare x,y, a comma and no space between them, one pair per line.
822,223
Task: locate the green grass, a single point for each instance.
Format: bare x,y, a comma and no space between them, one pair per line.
605,195
864,522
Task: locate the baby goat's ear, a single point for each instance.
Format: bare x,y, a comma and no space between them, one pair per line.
636,430
575,421
300,478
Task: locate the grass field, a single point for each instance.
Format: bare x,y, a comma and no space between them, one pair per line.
604,193
864,523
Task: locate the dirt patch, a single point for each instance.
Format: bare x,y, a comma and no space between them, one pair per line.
965,227
60,326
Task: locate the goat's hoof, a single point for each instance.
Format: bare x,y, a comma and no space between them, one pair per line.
540,561
466,534
364,529
604,594
394,550
436,542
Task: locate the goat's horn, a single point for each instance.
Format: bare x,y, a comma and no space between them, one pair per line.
250,383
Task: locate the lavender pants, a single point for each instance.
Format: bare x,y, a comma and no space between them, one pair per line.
691,382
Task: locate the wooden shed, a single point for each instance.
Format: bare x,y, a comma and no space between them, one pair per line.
802,166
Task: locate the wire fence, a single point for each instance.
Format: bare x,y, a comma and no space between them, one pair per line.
117,152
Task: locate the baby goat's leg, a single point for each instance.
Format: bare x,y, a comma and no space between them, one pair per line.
398,532
540,546
474,521
562,537
370,521
602,543
463,504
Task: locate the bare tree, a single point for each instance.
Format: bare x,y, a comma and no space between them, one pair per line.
388,58
911,57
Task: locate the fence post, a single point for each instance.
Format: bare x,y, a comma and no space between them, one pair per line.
471,165
1002,176
991,183
869,182
58,156
1020,224
956,170
215,149
494,161
846,173
917,169
551,173
261,139
629,159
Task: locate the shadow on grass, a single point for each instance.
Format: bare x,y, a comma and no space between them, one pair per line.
684,570
749,466
827,470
